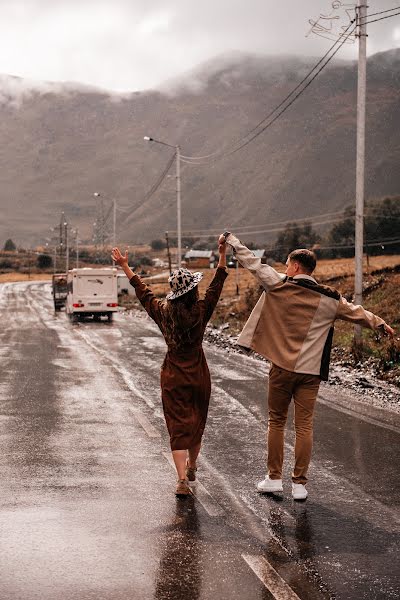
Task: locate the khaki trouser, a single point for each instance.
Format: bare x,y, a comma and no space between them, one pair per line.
283,386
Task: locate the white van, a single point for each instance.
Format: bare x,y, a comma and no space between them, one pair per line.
92,292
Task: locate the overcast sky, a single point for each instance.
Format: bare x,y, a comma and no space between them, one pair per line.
127,45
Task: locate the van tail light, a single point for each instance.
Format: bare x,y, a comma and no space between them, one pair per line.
78,305
112,304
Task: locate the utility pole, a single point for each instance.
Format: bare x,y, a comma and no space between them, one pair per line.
237,277
77,247
360,164
114,226
114,222
61,235
178,204
102,224
168,252
66,247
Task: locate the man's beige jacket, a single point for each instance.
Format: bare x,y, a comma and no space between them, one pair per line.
292,323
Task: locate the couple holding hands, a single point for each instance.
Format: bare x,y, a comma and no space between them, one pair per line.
291,326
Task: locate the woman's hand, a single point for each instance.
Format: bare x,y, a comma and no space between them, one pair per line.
222,251
221,239
118,258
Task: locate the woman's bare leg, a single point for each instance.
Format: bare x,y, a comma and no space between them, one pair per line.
193,454
180,457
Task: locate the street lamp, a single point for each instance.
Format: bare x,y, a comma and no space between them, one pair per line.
178,192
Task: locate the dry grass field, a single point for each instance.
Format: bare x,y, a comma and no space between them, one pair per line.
15,276
337,272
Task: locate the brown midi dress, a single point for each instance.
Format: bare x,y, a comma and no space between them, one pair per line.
185,378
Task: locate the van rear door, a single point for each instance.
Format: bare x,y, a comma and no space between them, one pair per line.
93,285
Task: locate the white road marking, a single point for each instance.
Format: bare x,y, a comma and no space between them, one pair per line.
356,414
270,578
201,494
151,431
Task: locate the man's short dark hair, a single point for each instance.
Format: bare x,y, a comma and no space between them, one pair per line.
306,258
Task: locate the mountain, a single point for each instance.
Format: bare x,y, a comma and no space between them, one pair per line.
62,142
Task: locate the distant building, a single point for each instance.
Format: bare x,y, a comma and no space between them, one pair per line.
200,259
261,254
231,260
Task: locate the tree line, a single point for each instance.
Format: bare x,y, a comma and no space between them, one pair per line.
381,233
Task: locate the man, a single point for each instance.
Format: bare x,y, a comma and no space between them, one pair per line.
292,326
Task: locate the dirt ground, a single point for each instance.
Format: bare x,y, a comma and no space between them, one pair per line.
15,276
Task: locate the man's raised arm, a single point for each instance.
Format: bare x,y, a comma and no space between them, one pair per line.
266,275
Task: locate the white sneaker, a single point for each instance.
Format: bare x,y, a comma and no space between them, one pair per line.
270,485
299,491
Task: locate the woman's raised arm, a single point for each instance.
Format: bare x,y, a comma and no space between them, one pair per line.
150,303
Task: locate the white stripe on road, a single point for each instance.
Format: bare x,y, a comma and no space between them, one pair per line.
270,578
356,414
201,494
151,431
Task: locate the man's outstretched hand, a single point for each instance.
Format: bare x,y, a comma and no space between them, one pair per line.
388,330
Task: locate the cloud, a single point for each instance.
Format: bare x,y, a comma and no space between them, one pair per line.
14,90
126,45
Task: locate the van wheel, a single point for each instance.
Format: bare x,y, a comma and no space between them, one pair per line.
110,317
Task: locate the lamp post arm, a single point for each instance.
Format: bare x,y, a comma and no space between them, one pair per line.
150,139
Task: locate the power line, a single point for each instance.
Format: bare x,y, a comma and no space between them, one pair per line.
293,99
270,230
366,243
221,152
153,189
287,224
381,18
381,12
341,41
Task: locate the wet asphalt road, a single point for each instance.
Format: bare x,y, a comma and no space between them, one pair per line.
87,505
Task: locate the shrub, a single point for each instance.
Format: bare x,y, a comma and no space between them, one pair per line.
9,246
158,244
44,261
6,264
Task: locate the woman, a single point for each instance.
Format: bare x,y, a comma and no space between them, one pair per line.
185,378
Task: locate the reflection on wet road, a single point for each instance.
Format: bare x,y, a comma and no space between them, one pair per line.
87,505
